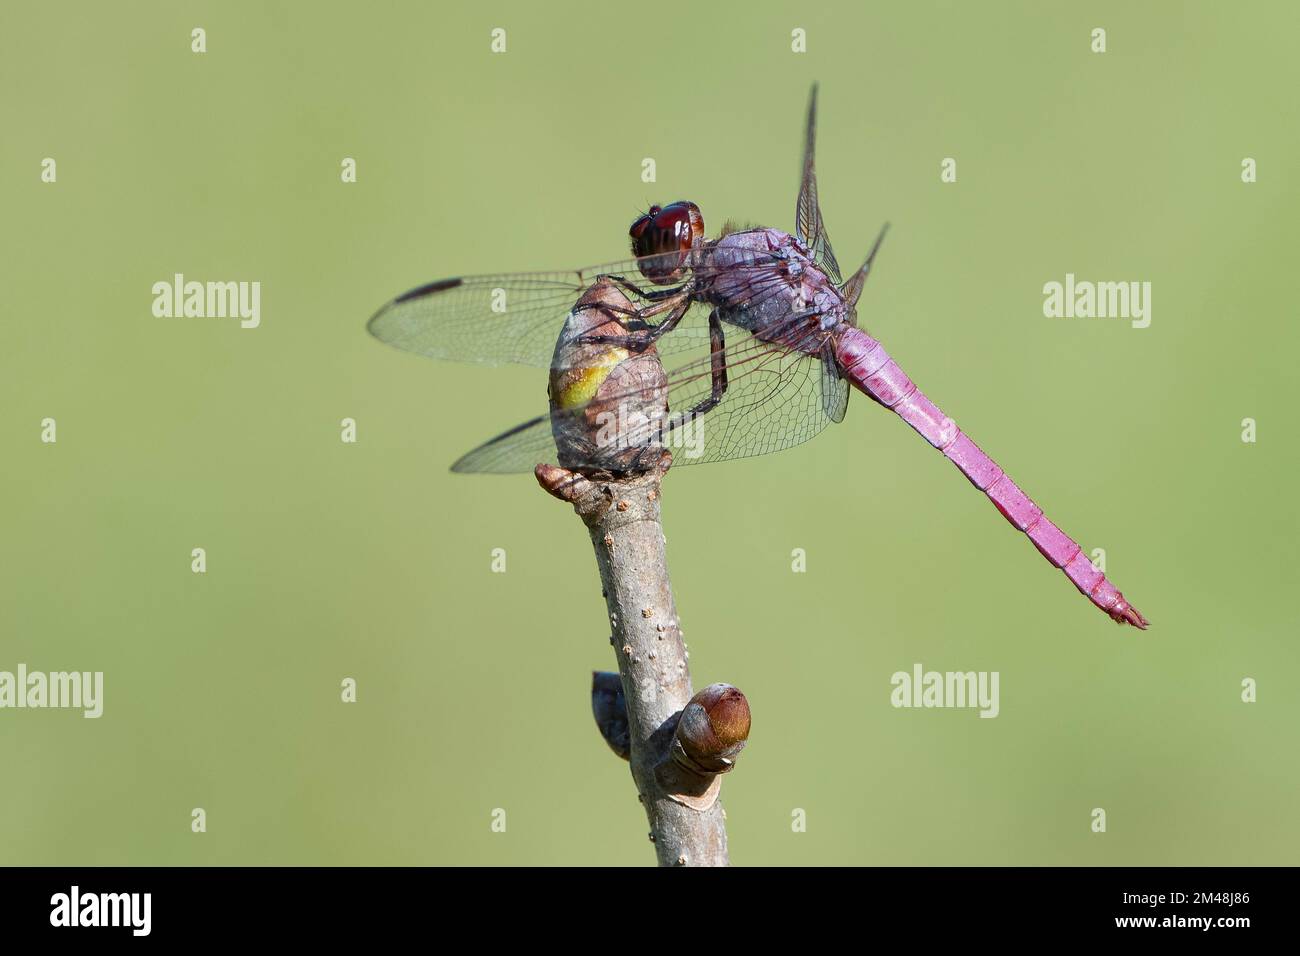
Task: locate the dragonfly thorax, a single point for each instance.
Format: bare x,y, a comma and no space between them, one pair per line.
765,279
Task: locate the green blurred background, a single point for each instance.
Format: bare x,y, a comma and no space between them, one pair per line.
328,560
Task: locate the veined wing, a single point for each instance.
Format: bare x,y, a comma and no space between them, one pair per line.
777,396
522,448
516,318
808,214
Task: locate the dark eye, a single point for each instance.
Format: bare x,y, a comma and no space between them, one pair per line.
666,234
674,221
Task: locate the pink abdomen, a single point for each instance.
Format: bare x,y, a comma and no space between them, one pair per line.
868,366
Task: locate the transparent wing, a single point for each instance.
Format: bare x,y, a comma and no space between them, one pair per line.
777,395
774,398
808,214
520,449
835,387
516,318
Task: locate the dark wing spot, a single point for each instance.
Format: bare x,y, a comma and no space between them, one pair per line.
428,289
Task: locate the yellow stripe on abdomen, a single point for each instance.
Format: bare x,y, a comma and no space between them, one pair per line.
575,387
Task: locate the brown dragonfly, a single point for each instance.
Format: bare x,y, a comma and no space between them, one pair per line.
758,334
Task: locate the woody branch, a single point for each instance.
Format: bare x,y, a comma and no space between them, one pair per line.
678,744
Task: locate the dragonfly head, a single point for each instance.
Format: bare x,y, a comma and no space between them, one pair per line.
662,237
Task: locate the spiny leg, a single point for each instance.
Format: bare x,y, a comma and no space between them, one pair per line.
717,366
718,373
647,334
652,295
628,310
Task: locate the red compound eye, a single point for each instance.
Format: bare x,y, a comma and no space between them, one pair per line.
666,234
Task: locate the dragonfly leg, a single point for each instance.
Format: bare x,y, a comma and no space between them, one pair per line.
648,334
718,368
652,295
636,317
610,307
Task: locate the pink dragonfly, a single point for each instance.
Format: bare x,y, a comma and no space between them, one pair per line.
794,352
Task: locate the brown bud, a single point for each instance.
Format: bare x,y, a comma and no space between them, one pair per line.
561,483
610,710
712,729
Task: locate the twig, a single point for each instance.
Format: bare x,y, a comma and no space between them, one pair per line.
679,745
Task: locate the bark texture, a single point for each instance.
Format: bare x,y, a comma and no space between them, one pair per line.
686,819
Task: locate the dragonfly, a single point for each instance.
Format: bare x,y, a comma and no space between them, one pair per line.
709,349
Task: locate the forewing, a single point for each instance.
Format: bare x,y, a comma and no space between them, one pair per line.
516,318
808,214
